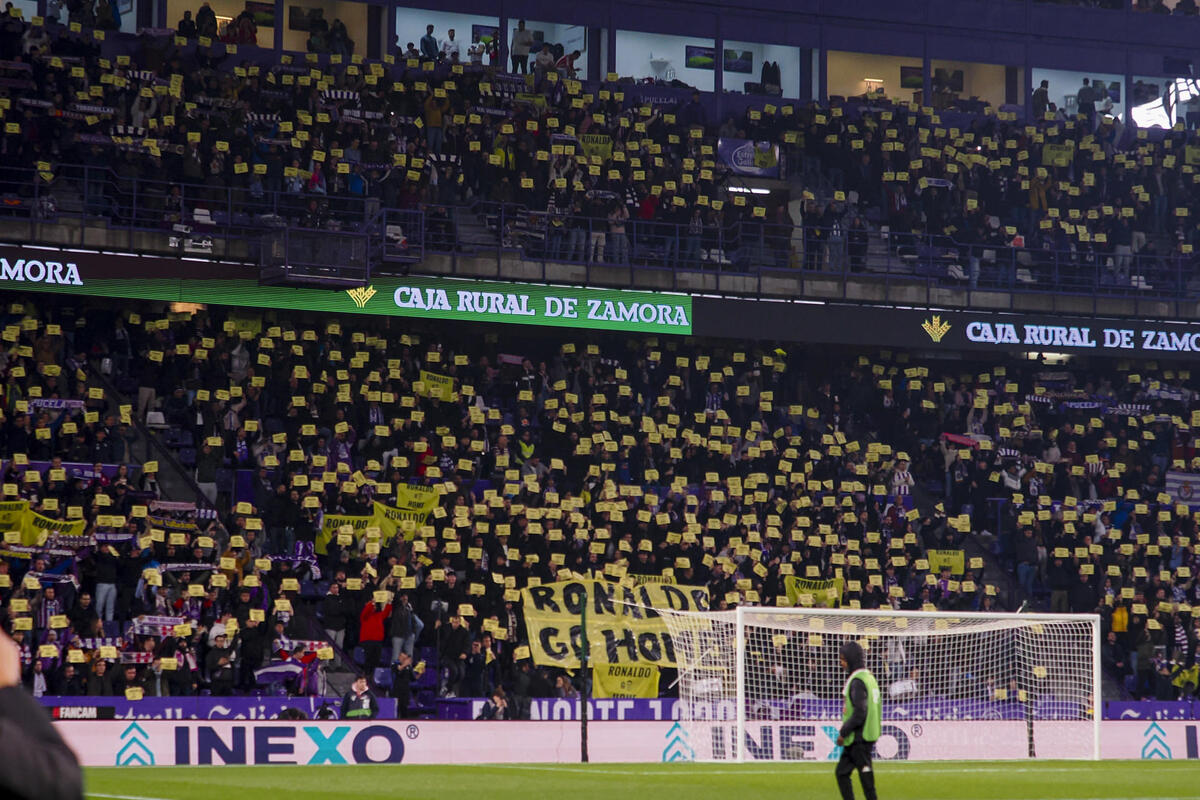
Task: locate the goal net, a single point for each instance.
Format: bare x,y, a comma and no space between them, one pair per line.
766,683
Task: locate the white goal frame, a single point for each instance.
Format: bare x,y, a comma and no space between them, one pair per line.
744,616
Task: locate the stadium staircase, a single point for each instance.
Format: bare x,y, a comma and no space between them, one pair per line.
978,545
173,479
174,449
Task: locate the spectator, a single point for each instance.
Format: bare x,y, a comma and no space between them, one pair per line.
406,626
617,240
474,682
360,702
155,683
403,675
435,111
543,62
453,655
496,707
566,64
187,26
335,615
430,49
219,662
451,48
1041,100
522,42
370,635
1085,101
206,21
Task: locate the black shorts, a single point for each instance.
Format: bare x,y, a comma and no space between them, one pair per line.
855,756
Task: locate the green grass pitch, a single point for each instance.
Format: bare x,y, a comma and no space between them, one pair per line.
1053,780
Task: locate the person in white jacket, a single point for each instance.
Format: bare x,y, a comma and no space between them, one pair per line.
522,43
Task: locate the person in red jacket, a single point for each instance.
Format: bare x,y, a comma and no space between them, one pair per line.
372,623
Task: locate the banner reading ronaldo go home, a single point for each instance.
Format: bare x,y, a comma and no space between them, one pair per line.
622,625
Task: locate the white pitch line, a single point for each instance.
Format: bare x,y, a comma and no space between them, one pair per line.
667,770
120,796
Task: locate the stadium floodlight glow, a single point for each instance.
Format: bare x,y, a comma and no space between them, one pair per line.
1162,112
765,683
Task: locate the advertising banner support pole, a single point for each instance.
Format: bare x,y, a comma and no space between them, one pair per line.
585,683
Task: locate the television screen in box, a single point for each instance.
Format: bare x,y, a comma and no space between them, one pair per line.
945,80
739,61
912,78
700,57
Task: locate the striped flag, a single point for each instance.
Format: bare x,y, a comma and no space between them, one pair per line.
1184,487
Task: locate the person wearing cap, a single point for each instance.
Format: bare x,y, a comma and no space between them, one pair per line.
861,723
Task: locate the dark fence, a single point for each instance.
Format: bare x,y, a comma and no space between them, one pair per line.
318,232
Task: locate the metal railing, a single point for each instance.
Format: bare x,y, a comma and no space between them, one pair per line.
275,226
301,255
767,250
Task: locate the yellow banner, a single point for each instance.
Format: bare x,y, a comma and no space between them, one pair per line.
12,514
435,385
597,144
413,506
622,627
536,100
1192,155
1058,155
625,680
246,322
35,528
331,523
947,558
644,579
765,158
805,592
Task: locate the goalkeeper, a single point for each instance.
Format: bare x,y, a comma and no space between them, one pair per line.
860,723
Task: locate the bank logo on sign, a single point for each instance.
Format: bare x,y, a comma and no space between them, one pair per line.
1155,745
134,750
677,747
361,295
935,328
35,271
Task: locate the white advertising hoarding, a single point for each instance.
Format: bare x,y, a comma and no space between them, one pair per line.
198,742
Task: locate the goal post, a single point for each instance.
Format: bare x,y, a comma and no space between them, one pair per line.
764,683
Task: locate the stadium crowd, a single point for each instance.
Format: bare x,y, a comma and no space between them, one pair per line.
707,463
609,170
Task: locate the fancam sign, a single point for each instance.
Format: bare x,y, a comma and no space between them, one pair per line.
196,707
